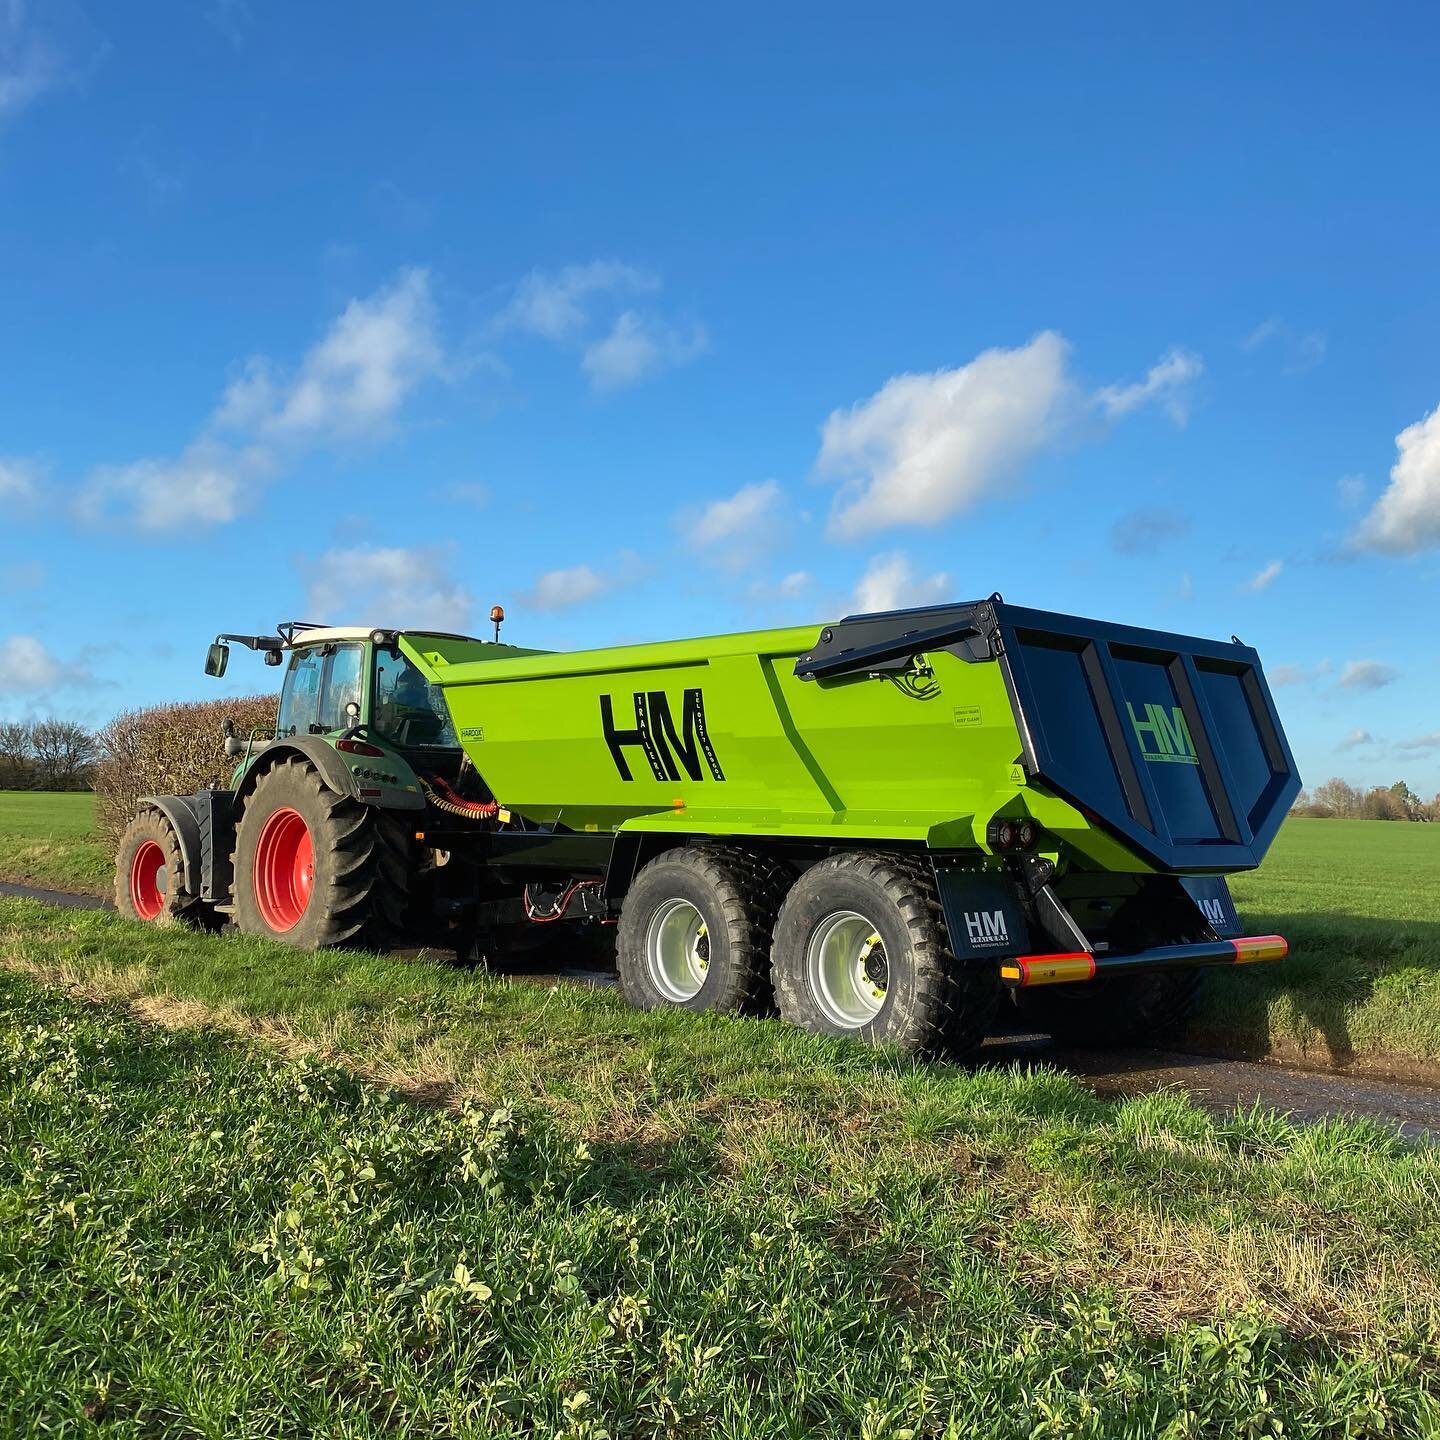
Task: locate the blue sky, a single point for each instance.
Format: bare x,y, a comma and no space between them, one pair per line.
645,321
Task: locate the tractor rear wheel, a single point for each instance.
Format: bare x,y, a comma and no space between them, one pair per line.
695,930
316,869
861,951
150,879
1103,1014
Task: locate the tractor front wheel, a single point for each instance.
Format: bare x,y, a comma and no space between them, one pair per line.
150,879
316,869
861,950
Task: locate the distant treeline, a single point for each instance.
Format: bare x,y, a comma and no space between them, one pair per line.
1340,800
47,755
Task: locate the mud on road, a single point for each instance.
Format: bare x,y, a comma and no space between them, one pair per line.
1216,1084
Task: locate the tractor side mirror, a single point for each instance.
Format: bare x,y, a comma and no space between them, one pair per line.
216,659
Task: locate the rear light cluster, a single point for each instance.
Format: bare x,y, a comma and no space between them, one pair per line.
1011,837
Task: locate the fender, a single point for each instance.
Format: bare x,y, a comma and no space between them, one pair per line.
177,810
333,771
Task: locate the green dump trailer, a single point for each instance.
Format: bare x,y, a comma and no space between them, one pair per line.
884,827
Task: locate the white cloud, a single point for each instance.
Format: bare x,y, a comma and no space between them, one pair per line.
354,381
209,484
1350,490
736,521
1367,675
1145,530
925,447
26,665
560,589
1297,674
1406,518
889,583
1421,742
1356,737
788,587
1302,349
637,348
349,386
468,492
1267,575
18,478
557,306
376,585
29,62
1166,383
568,306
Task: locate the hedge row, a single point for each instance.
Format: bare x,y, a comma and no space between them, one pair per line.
169,750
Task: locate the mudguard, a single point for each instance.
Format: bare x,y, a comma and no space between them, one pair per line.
333,771
983,912
177,810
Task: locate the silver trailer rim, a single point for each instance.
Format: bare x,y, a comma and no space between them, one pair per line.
677,950
846,968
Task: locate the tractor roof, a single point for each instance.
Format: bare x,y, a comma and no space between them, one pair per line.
331,634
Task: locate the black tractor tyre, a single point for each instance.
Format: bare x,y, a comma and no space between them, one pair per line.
711,909
907,989
150,880
316,869
1103,1014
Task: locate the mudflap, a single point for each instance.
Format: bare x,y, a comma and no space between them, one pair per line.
983,912
1212,898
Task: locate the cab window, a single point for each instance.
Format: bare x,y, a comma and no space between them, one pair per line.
300,699
342,686
408,711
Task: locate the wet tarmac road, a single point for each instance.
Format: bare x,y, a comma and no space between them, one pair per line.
1215,1084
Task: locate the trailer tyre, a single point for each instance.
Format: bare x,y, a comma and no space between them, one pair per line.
695,930
316,869
1128,1010
150,880
861,950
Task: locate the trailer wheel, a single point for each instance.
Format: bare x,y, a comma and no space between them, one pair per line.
150,881
861,950
1127,1010
316,869
695,930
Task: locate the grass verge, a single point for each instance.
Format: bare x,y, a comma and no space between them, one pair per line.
626,1224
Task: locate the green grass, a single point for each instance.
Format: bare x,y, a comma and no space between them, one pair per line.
1358,900
648,1225
48,839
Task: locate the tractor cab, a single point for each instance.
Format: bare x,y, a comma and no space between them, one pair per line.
354,701
340,681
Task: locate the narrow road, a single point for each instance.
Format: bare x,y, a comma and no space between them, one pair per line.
1215,1084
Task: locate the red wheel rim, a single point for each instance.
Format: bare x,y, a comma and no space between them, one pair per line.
284,870
147,894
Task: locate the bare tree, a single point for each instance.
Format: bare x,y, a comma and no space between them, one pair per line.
16,755
64,753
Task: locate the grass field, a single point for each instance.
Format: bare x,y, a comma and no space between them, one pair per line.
600,1222
49,840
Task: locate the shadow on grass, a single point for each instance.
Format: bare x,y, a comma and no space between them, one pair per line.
1339,968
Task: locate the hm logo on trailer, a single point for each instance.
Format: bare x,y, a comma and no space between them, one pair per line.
1214,912
986,927
666,747
1164,738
